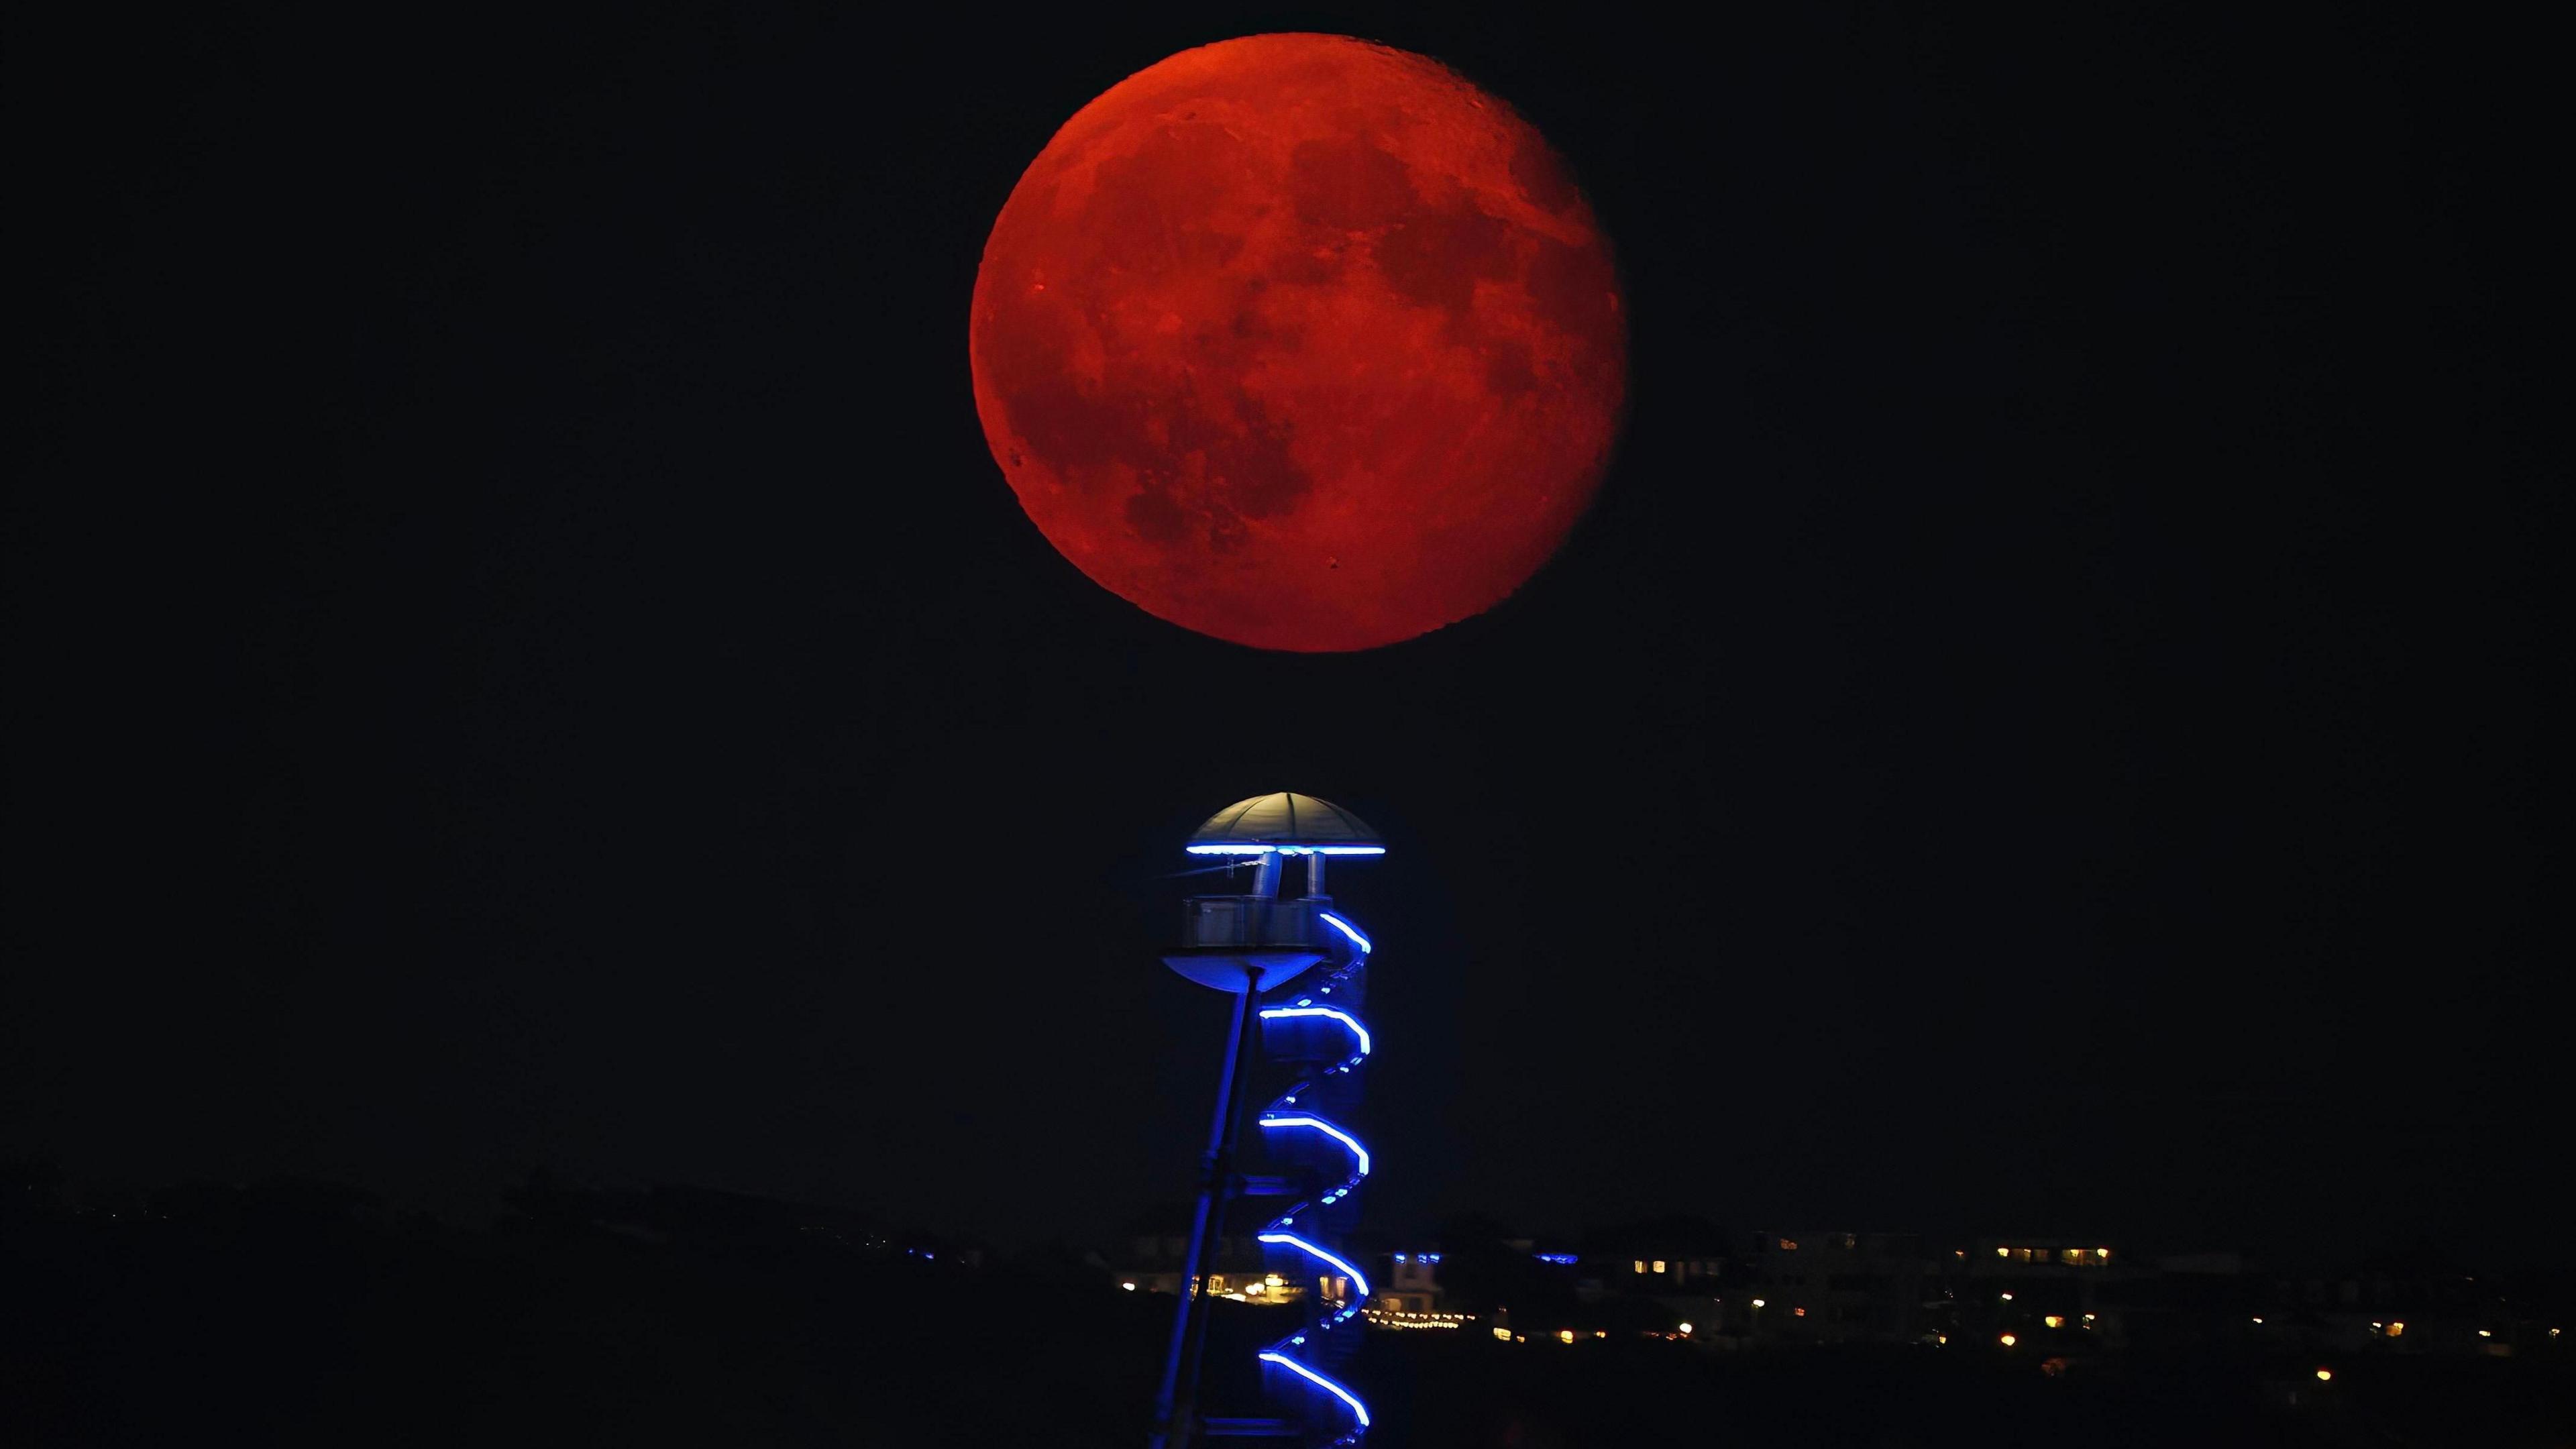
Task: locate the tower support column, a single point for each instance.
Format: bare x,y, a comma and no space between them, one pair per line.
1175,1402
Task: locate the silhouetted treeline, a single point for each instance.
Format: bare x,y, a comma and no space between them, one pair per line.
294,1312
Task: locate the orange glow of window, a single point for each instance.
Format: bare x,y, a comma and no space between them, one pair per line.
2008,1340
2054,1321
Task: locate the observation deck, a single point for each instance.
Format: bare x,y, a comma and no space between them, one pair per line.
1237,943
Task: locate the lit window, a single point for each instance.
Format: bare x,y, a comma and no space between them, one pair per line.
2054,1321
1788,1245
2323,1375
1641,1265
2003,1252
1798,1312
2008,1340
1659,1265
1565,1335
2397,1330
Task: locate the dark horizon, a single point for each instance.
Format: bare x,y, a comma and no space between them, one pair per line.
519,657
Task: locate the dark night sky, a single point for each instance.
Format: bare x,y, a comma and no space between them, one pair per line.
518,653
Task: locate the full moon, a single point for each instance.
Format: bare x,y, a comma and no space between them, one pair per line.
1300,342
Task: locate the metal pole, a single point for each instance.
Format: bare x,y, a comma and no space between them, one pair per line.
1176,1402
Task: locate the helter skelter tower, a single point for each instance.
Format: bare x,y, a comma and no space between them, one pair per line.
1298,969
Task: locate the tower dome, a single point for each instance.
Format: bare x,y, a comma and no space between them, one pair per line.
1288,823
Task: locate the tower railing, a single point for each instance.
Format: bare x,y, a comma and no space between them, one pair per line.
1221,921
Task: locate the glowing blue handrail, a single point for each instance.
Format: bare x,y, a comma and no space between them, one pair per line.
1358,1153
1279,1115
1327,1385
1359,1280
1338,924
1277,1013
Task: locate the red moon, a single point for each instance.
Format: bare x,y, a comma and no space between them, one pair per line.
1300,342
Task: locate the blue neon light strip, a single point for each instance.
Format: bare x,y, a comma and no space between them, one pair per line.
1358,1280
1344,1017
1277,1114
1235,849
1321,1382
1358,1153
1344,927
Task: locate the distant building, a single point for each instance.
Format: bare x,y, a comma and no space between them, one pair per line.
1412,1284
1810,1286
1237,1268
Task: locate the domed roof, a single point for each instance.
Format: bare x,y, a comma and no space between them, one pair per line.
1289,823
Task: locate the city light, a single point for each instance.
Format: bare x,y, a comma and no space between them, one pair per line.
2324,1374
1504,1334
2008,1340
1758,1303
1130,1287
2007,1298
2054,1321
2397,1328
1565,1335
1685,1328
2486,1333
